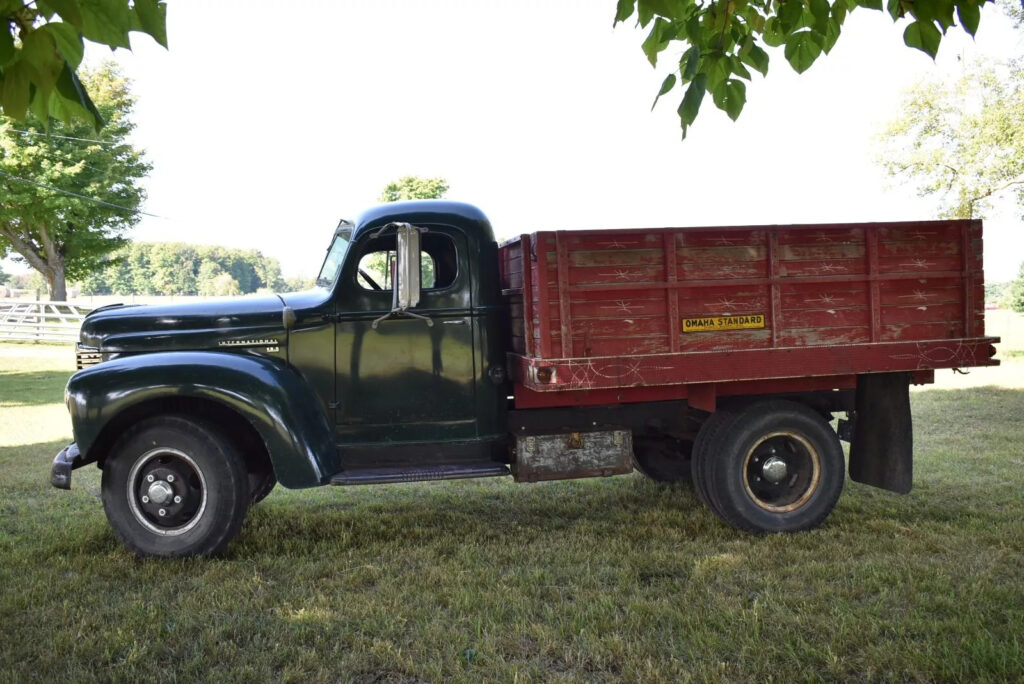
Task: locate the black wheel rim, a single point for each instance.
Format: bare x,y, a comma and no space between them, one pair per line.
166,491
781,472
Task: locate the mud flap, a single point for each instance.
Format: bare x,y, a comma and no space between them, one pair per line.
882,450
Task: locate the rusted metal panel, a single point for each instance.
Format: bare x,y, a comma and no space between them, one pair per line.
572,455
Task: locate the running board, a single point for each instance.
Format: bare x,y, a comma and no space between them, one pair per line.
461,471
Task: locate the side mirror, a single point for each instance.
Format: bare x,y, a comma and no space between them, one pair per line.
407,268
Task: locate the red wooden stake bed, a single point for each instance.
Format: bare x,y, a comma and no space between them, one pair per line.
634,315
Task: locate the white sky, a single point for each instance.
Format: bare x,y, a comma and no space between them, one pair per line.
266,122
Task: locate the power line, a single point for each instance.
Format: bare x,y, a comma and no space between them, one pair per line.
64,137
82,197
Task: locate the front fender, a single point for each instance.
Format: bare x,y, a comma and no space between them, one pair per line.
268,393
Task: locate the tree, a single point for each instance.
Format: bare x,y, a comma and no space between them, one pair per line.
42,47
721,40
66,203
3,277
962,141
414,187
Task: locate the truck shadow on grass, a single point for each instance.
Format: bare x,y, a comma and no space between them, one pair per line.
33,388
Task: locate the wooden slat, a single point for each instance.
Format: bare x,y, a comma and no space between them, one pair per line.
564,312
672,294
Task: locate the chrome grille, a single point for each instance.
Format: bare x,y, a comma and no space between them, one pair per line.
87,357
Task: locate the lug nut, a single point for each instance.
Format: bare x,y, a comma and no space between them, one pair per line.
177,499
162,512
170,478
145,499
150,478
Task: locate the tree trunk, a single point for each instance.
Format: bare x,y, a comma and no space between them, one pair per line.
58,285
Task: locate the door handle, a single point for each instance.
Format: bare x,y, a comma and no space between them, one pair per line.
456,321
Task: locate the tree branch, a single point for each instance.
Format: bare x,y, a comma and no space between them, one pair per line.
25,249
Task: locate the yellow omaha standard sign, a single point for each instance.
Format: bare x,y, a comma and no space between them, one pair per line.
747,322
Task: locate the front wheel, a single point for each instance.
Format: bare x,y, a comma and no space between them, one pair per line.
773,466
175,486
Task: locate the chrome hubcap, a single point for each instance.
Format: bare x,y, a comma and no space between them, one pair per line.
774,470
160,492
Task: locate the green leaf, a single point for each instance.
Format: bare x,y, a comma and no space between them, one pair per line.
106,22
894,8
969,14
690,105
152,16
668,84
14,95
40,106
717,70
40,59
68,10
790,14
68,40
870,4
830,36
74,101
822,12
756,58
624,10
656,42
7,49
688,63
774,36
737,68
839,10
923,36
802,49
730,97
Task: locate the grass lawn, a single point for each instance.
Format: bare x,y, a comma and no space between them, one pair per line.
591,580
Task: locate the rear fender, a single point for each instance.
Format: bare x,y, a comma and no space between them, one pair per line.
266,392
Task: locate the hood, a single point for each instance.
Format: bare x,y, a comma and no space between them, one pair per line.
211,324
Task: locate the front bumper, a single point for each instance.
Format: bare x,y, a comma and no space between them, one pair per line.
67,460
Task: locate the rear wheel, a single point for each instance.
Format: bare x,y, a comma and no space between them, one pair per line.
773,466
662,458
175,486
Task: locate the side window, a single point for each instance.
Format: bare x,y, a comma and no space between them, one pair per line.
438,263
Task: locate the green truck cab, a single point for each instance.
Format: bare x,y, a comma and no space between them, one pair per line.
195,411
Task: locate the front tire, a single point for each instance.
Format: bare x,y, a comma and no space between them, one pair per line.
175,486
773,466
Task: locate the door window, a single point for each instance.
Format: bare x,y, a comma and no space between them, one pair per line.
438,263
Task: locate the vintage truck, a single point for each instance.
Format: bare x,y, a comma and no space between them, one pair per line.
428,351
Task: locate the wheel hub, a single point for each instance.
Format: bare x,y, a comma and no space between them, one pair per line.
774,470
160,492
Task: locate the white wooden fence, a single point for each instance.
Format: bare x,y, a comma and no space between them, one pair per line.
40,321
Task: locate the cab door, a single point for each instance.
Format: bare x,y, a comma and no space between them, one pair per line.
405,379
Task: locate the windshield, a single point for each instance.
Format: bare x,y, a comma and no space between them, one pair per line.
335,258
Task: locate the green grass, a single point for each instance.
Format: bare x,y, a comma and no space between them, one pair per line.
590,580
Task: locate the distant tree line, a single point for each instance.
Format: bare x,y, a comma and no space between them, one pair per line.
177,268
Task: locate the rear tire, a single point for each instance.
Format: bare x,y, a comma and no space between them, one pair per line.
175,486
773,466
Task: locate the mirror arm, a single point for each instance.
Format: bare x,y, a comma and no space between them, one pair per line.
399,313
